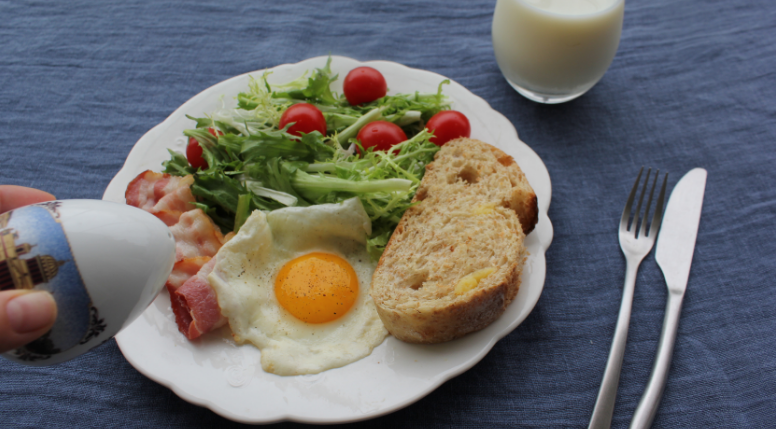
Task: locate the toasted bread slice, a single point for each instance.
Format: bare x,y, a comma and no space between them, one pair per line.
473,167
455,260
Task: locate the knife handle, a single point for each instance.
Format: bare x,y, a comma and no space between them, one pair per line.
650,400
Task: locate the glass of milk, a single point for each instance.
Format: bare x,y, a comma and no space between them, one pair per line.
553,51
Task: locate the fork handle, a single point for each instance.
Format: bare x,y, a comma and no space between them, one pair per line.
650,400
604,404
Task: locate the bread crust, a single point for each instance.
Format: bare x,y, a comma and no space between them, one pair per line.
446,237
485,169
436,324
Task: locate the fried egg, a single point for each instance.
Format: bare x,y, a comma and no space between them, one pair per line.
295,283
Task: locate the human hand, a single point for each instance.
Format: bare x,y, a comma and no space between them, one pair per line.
24,315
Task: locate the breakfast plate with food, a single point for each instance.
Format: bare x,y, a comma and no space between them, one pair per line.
338,257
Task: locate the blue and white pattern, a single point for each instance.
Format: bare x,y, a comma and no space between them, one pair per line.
36,255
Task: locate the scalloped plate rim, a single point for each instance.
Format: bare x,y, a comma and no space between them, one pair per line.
538,176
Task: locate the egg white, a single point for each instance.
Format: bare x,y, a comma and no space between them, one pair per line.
244,280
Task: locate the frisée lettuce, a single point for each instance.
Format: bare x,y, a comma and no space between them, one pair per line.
252,164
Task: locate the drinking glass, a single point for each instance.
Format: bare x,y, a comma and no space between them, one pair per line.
553,51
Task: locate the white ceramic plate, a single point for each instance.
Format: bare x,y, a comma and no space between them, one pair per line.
216,373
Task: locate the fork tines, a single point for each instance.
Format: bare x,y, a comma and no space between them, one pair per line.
641,228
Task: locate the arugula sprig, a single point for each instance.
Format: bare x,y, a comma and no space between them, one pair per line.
254,165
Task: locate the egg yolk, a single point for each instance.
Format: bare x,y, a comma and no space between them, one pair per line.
317,287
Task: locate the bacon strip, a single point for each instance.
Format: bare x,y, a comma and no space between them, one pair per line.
184,270
163,195
196,235
195,304
197,240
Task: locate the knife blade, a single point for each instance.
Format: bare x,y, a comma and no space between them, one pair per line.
674,251
676,243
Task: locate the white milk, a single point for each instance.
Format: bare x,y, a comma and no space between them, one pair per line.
552,51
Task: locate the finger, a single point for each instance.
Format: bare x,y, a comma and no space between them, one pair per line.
12,196
24,317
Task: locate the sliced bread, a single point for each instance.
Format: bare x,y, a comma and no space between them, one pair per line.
455,260
470,166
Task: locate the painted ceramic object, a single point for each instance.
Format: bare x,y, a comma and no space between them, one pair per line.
103,262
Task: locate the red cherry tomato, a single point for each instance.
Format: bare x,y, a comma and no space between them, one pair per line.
306,117
381,135
363,85
447,125
194,151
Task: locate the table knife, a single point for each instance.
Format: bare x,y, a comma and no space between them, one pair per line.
675,247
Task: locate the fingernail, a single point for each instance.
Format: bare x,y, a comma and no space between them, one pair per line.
30,311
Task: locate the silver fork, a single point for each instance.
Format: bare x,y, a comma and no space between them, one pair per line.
635,243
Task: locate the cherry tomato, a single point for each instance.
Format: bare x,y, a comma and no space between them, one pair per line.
447,125
194,151
381,135
306,117
363,85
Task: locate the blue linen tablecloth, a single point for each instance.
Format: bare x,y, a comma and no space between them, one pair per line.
692,85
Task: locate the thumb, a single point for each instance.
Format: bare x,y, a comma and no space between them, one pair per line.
24,317
13,197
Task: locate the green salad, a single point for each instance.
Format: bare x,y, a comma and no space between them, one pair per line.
247,158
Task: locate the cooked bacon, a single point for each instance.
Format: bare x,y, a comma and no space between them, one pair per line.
197,240
163,195
195,304
141,188
184,270
196,235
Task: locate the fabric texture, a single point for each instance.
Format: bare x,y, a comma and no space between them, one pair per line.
692,85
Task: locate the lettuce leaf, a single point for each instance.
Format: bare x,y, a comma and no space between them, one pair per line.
254,165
